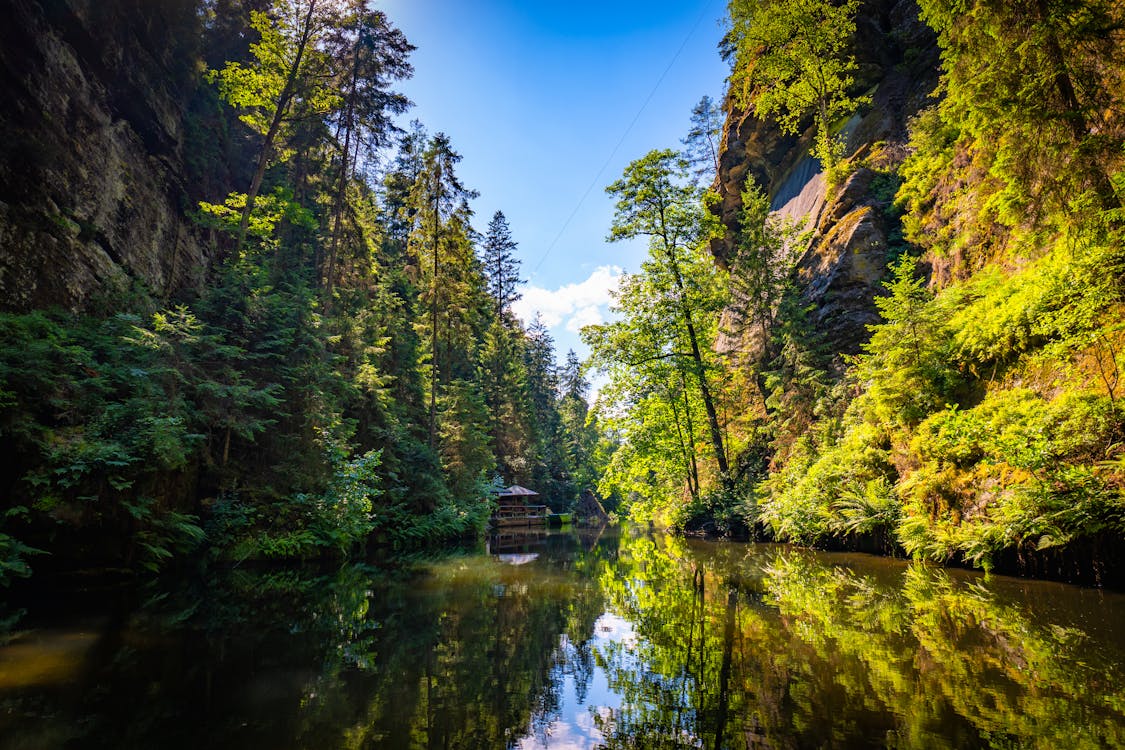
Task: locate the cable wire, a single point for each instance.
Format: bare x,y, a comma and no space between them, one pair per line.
621,141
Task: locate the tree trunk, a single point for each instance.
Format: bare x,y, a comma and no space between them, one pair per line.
342,186
696,355
434,329
725,667
708,401
691,431
275,125
689,457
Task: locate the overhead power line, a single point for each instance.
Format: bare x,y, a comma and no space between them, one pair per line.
621,141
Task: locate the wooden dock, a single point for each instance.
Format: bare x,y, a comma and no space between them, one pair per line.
515,513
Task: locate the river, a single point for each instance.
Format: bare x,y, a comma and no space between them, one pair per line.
574,639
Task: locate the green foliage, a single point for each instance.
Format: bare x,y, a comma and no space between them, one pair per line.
267,215
350,371
335,522
791,61
13,552
908,371
764,259
701,146
793,374
99,426
726,511
1013,469
835,487
282,57
1028,135
866,508
465,445
663,399
1017,470
161,534
1035,87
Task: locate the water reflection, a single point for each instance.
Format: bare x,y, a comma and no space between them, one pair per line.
574,640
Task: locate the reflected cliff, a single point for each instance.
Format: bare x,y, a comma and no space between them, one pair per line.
576,639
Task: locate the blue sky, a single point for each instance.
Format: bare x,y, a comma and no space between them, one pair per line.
536,96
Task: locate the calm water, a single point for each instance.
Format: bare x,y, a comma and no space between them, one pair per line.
575,640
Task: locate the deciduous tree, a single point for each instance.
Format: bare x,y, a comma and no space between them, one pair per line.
654,200
791,61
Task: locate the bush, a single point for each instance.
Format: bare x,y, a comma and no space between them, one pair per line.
802,502
335,523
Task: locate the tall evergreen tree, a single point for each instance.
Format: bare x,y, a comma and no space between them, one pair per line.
579,435
548,468
367,55
501,264
701,146
398,209
572,383
438,244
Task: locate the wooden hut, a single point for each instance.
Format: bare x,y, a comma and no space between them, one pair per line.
513,508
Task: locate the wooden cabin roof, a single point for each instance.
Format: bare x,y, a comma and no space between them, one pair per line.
516,491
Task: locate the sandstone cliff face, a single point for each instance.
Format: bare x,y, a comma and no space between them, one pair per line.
91,150
853,226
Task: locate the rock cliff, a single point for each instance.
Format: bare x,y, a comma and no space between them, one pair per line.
854,225
92,133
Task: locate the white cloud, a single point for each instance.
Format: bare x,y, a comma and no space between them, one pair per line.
586,316
575,304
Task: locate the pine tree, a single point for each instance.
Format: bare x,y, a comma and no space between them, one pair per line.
438,242
367,55
701,146
910,371
579,436
548,468
501,265
572,383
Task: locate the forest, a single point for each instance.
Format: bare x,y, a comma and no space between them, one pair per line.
931,365
928,363
351,372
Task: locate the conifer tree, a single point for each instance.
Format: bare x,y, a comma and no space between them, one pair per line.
367,55
761,265
580,436
909,369
701,146
501,264
548,469
398,185
572,383
438,242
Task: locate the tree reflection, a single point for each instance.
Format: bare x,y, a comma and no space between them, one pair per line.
779,649
668,643
463,652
